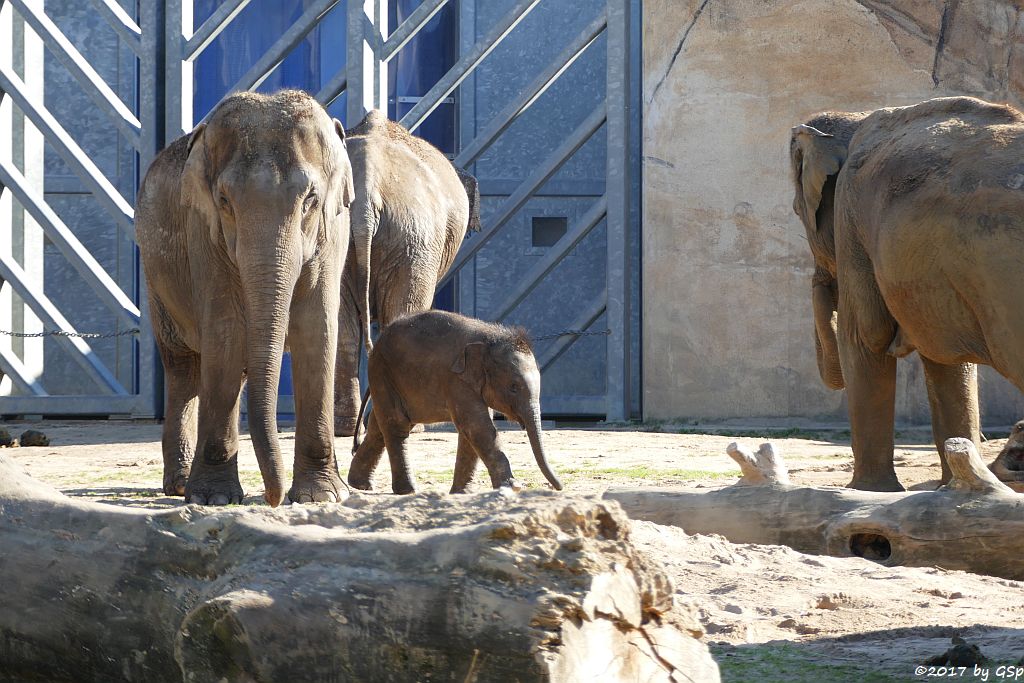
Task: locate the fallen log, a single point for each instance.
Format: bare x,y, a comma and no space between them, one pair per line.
974,523
488,587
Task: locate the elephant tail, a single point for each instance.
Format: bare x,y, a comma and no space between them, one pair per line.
359,421
473,193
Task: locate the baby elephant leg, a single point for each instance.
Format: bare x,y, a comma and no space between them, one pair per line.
366,457
396,436
478,428
465,465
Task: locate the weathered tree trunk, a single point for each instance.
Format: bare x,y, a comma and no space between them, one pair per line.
471,588
974,523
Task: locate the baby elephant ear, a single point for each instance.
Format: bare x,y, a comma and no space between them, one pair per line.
469,365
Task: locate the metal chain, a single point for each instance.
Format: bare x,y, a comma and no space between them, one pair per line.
62,333
576,333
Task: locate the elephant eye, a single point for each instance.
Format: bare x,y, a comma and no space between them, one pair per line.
514,388
309,202
225,204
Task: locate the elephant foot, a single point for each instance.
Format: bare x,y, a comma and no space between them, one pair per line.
175,481
402,487
214,492
512,483
884,483
318,487
344,426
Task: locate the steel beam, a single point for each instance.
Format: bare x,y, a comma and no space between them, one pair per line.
73,250
333,88
69,151
533,277
119,20
450,81
582,322
619,185
211,28
285,44
412,25
367,73
19,374
531,93
55,320
101,404
527,188
78,66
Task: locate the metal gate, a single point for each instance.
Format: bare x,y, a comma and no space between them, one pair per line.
168,44
48,336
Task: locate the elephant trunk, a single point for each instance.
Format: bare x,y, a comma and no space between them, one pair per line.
268,293
826,345
532,425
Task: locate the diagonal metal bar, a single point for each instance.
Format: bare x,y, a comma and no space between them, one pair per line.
412,25
78,66
528,187
582,322
580,229
450,81
73,250
500,123
13,368
333,88
52,317
285,44
69,151
212,28
121,22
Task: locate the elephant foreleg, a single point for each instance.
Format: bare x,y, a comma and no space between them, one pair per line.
953,399
473,420
313,339
181,375
214,476
871,389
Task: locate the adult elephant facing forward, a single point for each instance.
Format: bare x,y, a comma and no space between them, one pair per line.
915,217
242,227
412,210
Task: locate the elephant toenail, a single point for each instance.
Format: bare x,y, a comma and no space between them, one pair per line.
324,497
219,499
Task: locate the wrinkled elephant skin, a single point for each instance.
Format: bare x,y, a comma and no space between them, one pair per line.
243,227
915,219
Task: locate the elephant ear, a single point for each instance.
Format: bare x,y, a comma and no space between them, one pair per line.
469,365
814,157
348,191
195,181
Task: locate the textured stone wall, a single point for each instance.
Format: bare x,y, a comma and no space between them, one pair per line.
726,269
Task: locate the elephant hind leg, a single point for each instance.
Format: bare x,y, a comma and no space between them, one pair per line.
181,375
465,465
366,458
346,367
953,399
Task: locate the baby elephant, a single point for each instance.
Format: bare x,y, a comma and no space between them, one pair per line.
1009,464
442,367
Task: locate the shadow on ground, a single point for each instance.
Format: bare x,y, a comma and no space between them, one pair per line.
886,656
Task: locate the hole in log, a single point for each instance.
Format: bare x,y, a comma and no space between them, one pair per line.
870,546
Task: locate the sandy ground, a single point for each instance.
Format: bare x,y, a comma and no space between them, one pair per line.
770,613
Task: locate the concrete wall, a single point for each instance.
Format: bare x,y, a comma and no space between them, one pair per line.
727,316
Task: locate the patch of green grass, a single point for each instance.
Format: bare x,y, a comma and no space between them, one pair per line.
786,663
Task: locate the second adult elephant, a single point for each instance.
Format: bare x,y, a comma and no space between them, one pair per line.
412,210
915,217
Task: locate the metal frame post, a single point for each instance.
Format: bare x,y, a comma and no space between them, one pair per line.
619,186
367,85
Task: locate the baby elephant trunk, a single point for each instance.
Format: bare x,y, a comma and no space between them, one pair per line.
532,424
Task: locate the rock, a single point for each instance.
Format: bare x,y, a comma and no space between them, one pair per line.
961,654
6,441
33,437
